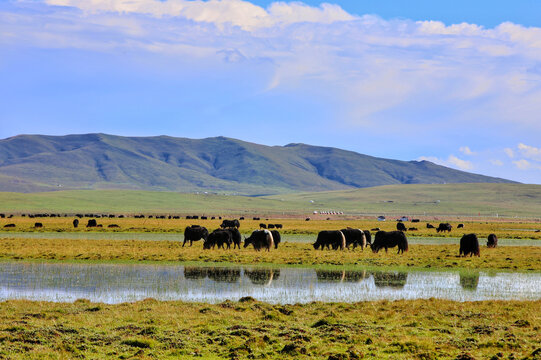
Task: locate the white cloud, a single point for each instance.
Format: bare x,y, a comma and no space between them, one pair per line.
379,74
530,152
451,161
496,162
236,12
509,152
522,164
466,150
459,163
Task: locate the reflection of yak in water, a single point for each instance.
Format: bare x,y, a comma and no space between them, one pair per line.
224,274
390,279
469,281
195,273
340,275
262,276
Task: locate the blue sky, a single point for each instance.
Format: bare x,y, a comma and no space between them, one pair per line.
454,82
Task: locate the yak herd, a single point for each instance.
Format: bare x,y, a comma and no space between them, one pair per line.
228,234
264,239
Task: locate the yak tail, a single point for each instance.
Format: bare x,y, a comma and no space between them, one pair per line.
343,244
270,239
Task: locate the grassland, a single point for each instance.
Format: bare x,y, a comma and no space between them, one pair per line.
462,200
420,329
508,258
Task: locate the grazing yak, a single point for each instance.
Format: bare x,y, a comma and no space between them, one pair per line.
444,227
460,226
218,237
9,225
492,241
230,224
276,238
357,237
469,245
75,223
429,226
330,238
38,225
400,226
92,223
262,226
260,239
236,237
194,233
278,226
390,239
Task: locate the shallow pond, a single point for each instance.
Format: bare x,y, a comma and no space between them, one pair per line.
124,283
415,240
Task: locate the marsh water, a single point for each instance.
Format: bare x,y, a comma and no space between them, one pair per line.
296,238
116,283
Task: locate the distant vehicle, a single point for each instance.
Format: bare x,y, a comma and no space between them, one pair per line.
404,218
381,218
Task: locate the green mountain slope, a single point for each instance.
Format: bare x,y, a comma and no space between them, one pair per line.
31,163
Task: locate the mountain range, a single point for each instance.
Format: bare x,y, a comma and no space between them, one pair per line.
33,163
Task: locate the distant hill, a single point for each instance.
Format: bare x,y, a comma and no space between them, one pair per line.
33,163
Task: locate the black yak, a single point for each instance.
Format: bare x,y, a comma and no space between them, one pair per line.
195,233
330,238
492,241
390,239
75,223
218,237
444,227
357,237
230,224
400,226
469,245
92,223
260,239
236,238
276,238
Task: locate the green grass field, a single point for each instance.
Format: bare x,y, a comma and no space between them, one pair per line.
248,329
471,200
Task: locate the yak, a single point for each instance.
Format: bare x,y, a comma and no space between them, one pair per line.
444,227
276,238
195,233
356,237
236,238
218,237
330,238
492,241
230,224
92,223
75,223
260,239
390,239
400,226
469,245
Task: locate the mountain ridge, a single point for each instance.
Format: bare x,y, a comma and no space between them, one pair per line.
30,163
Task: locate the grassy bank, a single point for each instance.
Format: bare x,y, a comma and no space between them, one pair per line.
416,329
523,258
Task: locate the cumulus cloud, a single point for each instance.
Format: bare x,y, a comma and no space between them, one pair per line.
530,152
466,150
509,152
522,164
236,12
451,161
378,74
496,162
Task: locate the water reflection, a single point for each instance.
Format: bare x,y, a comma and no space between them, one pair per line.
395,280
262,276
121,283
469,281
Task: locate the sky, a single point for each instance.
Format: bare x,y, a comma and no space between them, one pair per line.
453,82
